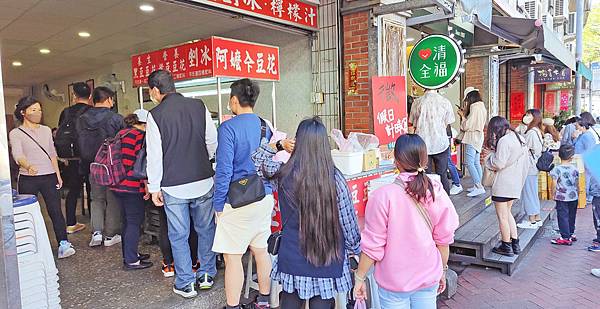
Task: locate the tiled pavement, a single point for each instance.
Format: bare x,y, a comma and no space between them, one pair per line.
550,276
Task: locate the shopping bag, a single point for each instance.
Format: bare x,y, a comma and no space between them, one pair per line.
360,304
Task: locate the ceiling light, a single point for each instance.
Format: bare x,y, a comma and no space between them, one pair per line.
44,51
84,34
410,39
17,63
146,8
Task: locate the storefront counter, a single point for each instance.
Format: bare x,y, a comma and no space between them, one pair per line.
358,185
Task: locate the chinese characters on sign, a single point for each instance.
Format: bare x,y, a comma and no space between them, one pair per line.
550,104
353,78
389,108
564,101
291,12
435,61
546,74
214,57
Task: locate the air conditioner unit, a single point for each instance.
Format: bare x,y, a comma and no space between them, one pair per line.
532,9
560,8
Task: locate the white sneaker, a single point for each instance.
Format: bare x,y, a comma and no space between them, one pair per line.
96,239
456,189
527,225
65,249
539,223
476,192
596,272
109,241
471,189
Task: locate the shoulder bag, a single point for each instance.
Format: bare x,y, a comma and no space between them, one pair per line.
422,211
250,189
545,161
36,142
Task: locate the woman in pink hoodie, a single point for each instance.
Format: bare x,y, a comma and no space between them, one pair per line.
409,226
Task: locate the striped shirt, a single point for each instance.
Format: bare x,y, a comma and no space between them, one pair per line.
131,144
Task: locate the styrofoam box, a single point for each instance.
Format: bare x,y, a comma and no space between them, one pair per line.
349,163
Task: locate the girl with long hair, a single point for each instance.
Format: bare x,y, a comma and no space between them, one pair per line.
472,124
409,226
551,135
509,159
320,229
33,149
530,195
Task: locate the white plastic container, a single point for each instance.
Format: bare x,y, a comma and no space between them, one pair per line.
349,163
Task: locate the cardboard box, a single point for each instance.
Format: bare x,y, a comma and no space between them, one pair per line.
370,160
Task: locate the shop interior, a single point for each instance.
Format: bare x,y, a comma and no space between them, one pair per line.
46,45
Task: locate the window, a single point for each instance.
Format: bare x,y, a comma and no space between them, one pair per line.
559,8
530,7
571,28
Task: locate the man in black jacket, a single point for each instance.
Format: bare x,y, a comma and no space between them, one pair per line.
93,127
66,138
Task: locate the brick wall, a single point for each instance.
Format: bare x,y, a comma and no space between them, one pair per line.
476,70
357,110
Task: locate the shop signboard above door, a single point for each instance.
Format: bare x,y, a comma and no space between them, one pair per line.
435,61
548,74
213,57
290,12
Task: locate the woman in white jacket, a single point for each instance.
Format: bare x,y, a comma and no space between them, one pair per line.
530,195
472,124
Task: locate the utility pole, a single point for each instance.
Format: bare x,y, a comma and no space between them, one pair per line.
578,54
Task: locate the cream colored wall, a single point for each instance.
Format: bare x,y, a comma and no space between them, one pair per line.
127,102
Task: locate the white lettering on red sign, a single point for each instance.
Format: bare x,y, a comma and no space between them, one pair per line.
354,194
236,60
193,57
248,62
221,57
236,3
294,12
205,56
271,68
253,4
260,63
277,7
165,55
309,16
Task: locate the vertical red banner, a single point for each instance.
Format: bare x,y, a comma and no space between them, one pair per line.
517,105
390,119
550,104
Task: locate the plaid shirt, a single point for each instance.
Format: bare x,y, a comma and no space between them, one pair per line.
308,287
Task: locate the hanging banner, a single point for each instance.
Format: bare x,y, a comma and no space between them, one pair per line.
289,12
435,61
389,108
214,57
547,74
564,101
517,106
550,104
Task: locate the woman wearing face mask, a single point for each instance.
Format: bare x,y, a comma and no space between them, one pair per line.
529,196
585,141
33,150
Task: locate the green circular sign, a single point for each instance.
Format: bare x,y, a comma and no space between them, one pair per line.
435,61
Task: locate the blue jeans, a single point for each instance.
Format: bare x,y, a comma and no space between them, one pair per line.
178,218
473,162
566,213
453,172
421,299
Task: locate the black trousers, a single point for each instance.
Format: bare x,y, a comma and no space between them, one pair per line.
133,210
438,163
46,186
566,213
165,244
74,182
596,213
293,301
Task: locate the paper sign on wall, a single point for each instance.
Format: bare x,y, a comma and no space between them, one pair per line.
389,108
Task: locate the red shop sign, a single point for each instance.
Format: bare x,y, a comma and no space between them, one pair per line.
289,12
517,105
213,57
389,108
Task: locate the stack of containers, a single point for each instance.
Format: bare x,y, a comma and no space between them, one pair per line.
543,186
578,161
38,275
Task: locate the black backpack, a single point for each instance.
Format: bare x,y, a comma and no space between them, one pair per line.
91,138
66,142
545,162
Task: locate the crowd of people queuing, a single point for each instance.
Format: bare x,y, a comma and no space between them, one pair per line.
409,224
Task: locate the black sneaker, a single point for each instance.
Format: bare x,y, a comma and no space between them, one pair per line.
188,291
141,265
143,256
515,246
205,282
505,248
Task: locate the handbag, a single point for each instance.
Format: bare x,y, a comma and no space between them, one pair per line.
274,240
36,142
249,189
488,178
139,166
545,161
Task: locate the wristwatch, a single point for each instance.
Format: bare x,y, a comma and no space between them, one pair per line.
279,146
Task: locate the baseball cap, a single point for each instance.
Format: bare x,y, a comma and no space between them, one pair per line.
142,115
469,90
